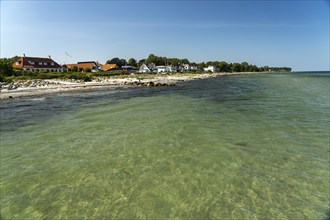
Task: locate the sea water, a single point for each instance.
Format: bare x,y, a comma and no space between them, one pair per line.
236,147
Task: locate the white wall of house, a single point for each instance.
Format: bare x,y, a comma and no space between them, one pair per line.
195,68
172,69
186,67
59,70
144,69
161,69
213,69
166,69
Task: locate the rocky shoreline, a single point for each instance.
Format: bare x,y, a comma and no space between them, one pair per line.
39,87
29,84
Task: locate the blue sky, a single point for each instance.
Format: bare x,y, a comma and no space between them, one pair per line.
275,33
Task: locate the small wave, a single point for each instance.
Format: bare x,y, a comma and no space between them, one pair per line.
38,99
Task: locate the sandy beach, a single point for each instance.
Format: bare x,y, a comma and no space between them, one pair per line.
42,87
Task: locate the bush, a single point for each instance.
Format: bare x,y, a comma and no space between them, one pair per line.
74,69
79,76
52,75
8,79
87,70
109,73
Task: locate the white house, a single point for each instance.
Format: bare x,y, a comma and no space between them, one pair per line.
195,68
161,69
166,69
148,68
172,69
188,67
213,69
144,69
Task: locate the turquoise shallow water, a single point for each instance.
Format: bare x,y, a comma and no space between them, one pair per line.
240,147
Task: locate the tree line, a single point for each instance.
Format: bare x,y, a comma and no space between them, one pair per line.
222,65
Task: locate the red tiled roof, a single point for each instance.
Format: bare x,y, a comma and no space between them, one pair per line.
107,67
82,65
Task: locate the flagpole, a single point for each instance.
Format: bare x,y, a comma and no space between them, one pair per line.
66,57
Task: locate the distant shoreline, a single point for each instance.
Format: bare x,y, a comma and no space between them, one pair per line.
44,87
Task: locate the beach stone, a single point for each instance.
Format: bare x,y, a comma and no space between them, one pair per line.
9,87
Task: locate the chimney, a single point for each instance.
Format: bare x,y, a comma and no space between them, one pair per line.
23,54
49,56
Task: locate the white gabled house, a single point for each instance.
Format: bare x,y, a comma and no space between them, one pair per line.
144,69
148,68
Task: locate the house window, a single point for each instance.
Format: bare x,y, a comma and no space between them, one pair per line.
52,64
45,63
40,63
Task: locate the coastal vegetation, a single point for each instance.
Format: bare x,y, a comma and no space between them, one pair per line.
222,65
85,76
8,73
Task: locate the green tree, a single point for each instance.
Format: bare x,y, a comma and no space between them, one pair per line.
245,67
117,61
132,62
223,67
122,62
203,65
253,68
157,60
6,68
266,68
142,61
174,61
151,59
74,69
236,67
185,61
